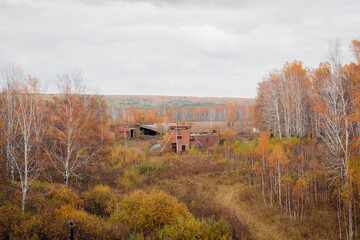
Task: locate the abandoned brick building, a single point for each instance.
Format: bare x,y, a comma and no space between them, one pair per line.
180,138
122,131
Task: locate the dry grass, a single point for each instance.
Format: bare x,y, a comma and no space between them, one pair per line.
259,227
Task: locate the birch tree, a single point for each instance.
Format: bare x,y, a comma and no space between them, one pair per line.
230,113
30,123
263,151
298,84
76,122
12,76
333,102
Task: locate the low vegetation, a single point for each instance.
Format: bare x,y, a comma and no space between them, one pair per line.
298,179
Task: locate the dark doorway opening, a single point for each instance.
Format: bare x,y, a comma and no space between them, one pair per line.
173,147
132,133
183,148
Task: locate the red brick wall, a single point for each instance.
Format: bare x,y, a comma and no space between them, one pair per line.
120,131
182,133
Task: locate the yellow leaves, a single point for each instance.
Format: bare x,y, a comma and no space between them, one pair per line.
231,112
257,168
263,147
295,67
160,215
354,172
100,200
355,47
351,74
130,180
196,229
54,195
119,157
228,134
322,73
165,137
9,215
279,154
64,195
142,211
86,226
193,151
222,160
301,186
347,195
140,116
29,229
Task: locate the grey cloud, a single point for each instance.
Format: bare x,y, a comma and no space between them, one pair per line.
203,47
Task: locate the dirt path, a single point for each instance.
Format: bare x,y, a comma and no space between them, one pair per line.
227,196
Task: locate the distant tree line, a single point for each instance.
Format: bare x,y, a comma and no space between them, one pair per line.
230,113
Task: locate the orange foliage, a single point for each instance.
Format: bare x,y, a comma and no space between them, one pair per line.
228,134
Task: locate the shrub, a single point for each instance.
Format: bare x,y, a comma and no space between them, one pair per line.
194,151
130,180
228,135
142,212
51,196
99,201
15,225
117,154
54,224
119,158
10,216
30,228
247,194
86,226
61,195
149,168
195,229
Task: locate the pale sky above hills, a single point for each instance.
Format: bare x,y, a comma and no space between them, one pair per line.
178,47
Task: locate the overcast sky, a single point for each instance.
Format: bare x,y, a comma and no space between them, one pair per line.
171,47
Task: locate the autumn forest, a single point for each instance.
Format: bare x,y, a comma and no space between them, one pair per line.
282,166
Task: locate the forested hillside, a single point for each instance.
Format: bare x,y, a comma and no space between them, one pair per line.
148,101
